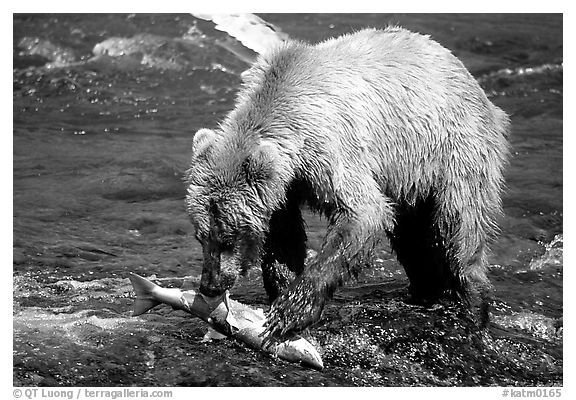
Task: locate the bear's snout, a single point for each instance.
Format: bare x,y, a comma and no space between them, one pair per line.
211,290
219,275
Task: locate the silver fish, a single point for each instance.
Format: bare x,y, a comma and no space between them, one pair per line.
227,317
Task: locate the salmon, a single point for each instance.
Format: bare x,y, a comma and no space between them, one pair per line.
226,316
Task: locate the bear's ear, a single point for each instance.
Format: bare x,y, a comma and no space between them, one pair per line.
203,140
260,165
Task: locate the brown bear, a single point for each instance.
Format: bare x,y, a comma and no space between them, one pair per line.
385,133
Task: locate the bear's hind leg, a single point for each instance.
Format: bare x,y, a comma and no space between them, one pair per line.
472,207
284,249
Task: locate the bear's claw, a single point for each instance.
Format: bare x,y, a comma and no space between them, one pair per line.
292,313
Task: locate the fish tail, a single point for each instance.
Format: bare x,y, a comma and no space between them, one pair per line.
145,299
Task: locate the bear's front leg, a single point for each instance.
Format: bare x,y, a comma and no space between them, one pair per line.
297,307
346,249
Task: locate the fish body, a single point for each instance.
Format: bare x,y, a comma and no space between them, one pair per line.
226,316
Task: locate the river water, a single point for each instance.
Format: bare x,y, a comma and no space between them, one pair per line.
99,148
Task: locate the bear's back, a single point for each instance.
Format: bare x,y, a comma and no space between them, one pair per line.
392,102
395,68
392,56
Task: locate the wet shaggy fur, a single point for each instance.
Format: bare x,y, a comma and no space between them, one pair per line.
386,134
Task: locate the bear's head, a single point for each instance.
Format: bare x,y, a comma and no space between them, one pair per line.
232,192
